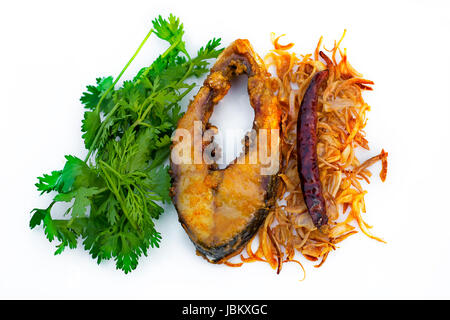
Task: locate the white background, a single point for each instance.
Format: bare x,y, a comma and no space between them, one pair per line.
49,52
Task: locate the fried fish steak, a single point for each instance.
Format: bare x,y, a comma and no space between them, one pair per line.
222,209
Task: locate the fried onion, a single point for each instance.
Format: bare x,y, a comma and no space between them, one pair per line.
341,121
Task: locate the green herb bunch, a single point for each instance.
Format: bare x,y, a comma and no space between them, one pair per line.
123,177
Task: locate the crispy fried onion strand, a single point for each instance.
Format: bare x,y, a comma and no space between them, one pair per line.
342,117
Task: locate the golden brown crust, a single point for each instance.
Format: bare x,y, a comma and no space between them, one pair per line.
222,209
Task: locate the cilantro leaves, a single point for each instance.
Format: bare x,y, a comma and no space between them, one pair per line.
116,191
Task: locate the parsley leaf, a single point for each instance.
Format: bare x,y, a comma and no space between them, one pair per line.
82,201
92,96
90,126
49,182
158,180
170,30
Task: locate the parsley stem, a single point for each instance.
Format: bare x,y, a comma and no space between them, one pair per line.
111,169
165,53
126,67
111,87
185,92
144,115
188,73
173,46
117,194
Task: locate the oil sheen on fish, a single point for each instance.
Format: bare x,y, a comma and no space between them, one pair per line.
222,209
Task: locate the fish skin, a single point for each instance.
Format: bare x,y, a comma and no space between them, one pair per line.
221,210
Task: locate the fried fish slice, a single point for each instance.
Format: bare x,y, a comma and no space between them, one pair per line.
223,209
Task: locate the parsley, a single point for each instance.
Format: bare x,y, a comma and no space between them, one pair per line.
123,179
